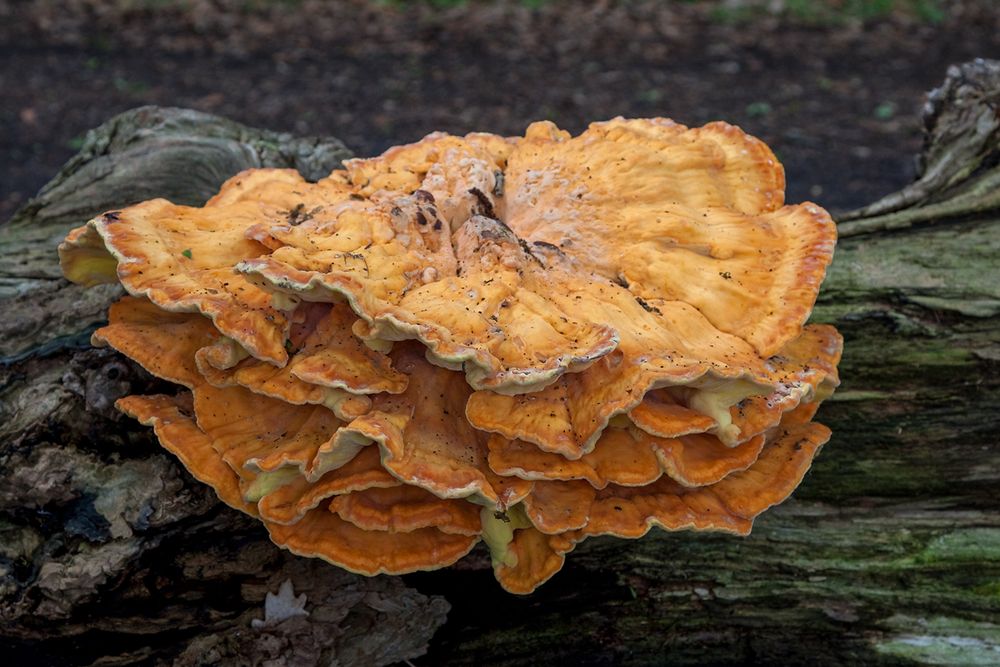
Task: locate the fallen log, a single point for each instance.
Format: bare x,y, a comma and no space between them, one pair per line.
889,552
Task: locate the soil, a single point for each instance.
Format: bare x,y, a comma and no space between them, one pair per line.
838,101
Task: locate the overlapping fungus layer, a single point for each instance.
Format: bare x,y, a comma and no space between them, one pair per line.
526,341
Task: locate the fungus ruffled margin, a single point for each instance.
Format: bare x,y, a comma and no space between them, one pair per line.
525,341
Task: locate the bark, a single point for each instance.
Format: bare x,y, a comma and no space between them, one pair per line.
889,552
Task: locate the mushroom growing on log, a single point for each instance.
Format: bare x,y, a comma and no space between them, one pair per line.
886,555
490,343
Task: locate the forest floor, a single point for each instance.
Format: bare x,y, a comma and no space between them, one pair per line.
838,98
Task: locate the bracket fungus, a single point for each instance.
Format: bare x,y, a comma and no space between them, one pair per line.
523,341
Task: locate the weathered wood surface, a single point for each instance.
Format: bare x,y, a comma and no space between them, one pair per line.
889,553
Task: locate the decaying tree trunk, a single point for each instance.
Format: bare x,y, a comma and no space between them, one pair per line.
889,552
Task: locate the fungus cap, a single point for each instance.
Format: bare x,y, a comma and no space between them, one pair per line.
522,340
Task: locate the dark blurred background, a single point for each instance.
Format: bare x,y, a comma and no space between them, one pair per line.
834,86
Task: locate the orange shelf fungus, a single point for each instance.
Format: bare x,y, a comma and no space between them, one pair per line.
523,341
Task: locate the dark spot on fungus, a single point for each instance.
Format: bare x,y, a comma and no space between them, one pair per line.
498,183
648,308
485,205
546,244
298,215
